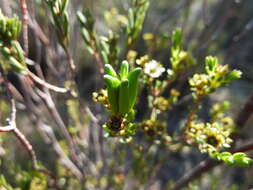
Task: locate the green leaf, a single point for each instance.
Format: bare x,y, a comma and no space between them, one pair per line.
177,38
228,160
110,71
124,97
133,85
112,84
85,35
239,156
105,57
124,69
222,155
233,75
210,64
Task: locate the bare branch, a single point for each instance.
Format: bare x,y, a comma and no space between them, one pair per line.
7,128
25,26
45,84
60,153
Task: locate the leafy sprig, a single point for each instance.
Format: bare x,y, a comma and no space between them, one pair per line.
9,46
236,159
136,17
60,15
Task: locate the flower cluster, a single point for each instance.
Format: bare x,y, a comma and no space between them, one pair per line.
131,56
216,76
200,84
142,61
152,68
101,97
153,128
163,104
114,19
210,137
156,130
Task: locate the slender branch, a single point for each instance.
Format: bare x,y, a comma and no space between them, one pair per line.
92,116
245,113
7,128
196,172
244,148
99,62
12,125
167,83
70,61
27,145
46,96
192,113
38,31
43,83
23,5
206,166
47,130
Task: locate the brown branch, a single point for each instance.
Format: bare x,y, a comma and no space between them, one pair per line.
25,25
38,31
196,172
70,60
206,166
244,148
191,115
23,140
99,62
245,113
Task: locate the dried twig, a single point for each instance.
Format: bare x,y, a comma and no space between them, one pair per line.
46,96
48,131
43,83
12,127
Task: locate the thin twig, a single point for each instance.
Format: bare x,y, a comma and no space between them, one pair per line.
196,172
7,128
48,131
25,26
192,113
43,83
70,61
23,140
46,96
245,113
38,31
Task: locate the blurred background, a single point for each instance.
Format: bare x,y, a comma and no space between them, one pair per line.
220,28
